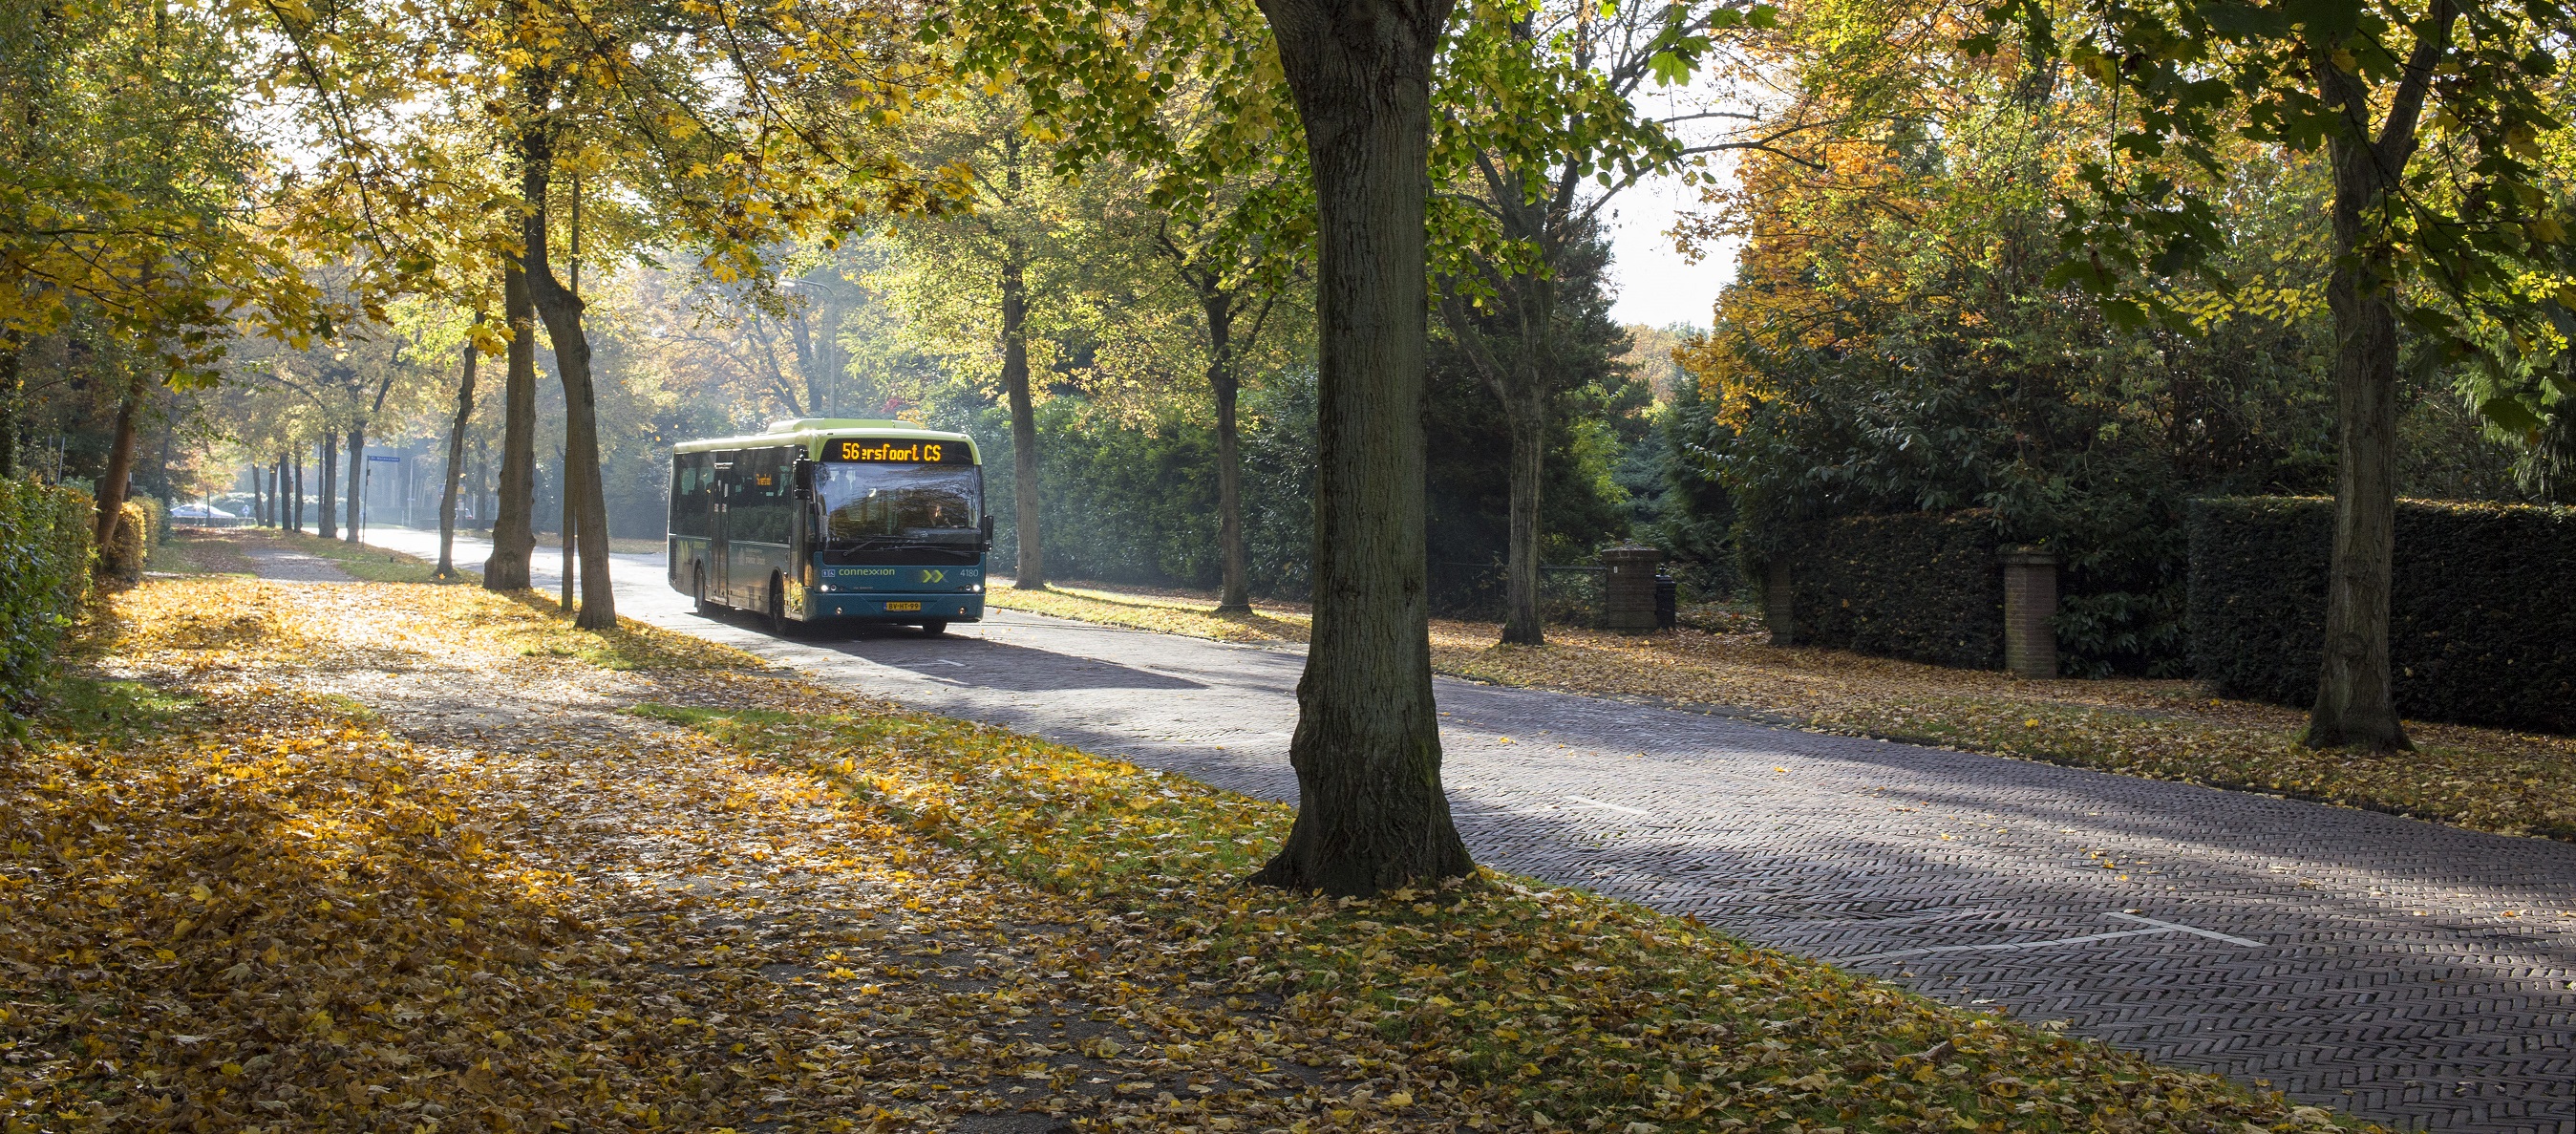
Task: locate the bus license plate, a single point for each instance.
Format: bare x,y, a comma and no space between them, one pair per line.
903,606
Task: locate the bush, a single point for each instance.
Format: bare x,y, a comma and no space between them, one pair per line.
2480,629
45,532
1923,586
122,560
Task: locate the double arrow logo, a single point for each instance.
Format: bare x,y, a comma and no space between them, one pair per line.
934,576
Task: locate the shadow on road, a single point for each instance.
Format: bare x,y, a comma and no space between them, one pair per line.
973,662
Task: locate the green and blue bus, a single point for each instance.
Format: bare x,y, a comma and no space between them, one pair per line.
833,521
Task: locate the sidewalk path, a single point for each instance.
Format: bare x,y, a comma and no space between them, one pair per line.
290,566
2406,972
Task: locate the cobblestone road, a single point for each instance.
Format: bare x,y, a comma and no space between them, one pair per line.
2406,972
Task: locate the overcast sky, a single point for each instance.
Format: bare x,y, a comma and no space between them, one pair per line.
1656,286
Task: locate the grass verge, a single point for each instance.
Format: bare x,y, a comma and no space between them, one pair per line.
1162,614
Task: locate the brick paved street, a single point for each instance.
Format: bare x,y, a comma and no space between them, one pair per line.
2406,972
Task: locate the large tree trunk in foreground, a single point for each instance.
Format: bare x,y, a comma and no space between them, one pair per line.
2356,702
1029,573
513,519
327,470
120,465
1525,414
454,477
586,498
1370,810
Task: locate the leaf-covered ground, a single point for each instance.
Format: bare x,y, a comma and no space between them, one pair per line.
2484,779
227,551
378,857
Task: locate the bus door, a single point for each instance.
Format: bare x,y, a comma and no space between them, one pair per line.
719,539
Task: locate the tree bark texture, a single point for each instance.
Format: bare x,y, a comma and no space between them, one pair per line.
1236,595
454,478
1371,813
587,498
1525,414
295,507
1029,573
13,347
120,464
513,514
326,469
2356,697
357,501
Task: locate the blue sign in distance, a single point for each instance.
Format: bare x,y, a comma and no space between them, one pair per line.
372,458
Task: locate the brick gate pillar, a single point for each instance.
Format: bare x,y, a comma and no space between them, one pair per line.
1628,588
2030,610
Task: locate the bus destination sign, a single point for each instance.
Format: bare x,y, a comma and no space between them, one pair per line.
904,451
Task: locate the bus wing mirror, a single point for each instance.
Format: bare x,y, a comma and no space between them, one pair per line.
988,533
804,479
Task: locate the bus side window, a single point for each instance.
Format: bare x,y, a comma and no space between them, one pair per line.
692,493
762,505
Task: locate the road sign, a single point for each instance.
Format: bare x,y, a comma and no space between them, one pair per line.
372,458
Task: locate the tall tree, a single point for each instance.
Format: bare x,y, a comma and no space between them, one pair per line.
2457,240
1371,812
1539,132
452,479
514,536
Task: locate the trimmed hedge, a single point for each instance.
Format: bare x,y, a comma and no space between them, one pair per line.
1923,586
137,529
2481,628
44,532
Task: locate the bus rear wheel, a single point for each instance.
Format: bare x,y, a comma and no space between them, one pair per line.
933,629
698,592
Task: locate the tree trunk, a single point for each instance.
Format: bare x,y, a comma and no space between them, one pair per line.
12,348
120,465
1371,813
1236,597
327,470
514,514
587,499
567,539
2356,703
295,513
258,497
1030,572
454,477
1525,414
357,501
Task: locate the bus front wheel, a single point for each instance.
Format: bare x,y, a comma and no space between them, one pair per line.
933,629
777,608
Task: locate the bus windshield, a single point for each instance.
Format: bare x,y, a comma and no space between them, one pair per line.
886,505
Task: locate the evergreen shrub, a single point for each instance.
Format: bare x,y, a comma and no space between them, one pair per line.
2480,627
44,531
1923,586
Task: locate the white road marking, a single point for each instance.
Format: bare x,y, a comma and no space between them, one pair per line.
1589,802
2177,927
2156,927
